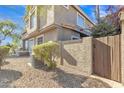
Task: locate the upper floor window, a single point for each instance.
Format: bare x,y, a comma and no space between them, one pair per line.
80,21
32,20
66,6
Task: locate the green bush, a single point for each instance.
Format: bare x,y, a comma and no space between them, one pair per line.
48,51
104,29
4,50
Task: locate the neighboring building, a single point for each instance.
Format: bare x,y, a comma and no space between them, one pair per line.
55,23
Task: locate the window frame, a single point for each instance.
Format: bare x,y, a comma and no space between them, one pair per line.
31,27
38,38
78,14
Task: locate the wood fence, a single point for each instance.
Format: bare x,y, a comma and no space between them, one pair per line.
106,57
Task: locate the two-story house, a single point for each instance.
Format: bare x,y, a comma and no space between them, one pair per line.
55,23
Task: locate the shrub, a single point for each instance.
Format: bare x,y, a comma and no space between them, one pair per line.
4,50
48,51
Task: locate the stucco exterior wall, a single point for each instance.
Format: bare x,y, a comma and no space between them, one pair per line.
51,14
51,35
66,34
46,17
54,14
67,16
63,15
77,55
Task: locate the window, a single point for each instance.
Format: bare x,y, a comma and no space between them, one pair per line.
66,6
40,40
32,20
80,21
74,38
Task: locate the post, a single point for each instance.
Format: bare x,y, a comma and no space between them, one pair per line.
121,15
61,53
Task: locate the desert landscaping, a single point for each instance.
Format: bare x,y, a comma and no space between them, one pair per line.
16,73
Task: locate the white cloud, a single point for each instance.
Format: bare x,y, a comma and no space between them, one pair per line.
102,11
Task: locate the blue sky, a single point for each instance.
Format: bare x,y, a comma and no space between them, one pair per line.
16,13
89,10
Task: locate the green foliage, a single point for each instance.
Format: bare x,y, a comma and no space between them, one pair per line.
103,29
48,51
4,50
7,29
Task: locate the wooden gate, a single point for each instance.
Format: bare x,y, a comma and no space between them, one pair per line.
106,57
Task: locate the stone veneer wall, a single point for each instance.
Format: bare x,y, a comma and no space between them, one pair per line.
77,55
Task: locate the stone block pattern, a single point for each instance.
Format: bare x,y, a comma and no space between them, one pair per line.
78,55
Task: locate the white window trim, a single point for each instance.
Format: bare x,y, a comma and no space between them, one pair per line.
66,7
73,36
39,37
78,14
30,20
33,10
35,14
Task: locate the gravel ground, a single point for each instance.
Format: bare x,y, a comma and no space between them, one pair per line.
16,73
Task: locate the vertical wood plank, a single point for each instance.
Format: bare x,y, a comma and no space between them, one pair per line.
107,57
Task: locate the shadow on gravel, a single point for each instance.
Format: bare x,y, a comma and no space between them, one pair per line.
68,80
7,76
